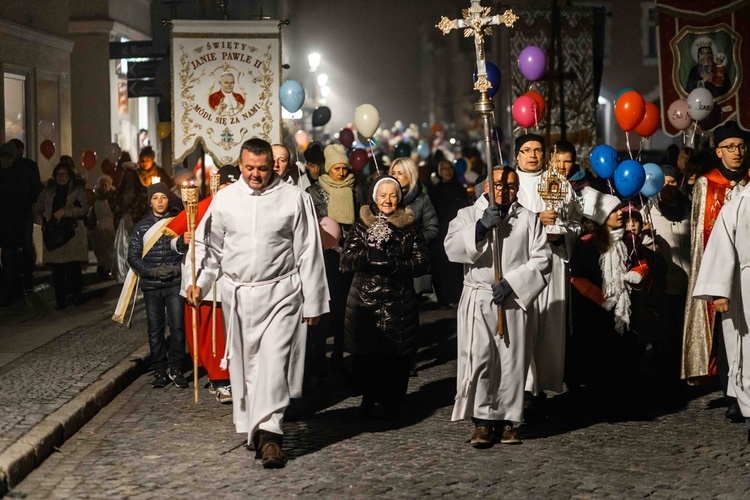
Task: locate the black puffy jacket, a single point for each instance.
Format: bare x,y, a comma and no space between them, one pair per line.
382,313
161,254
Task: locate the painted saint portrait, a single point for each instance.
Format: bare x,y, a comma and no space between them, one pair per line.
225,101
709,58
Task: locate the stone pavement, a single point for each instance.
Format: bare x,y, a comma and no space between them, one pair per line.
151,443
58,368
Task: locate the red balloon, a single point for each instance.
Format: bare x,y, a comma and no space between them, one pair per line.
88,159
47,148
346,137
651,121
524,111
541,105
629,110
358,159
108,167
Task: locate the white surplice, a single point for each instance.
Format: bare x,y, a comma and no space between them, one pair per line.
491,369
267,246
547,366
725,272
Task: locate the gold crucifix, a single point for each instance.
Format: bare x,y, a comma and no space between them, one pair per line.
477,22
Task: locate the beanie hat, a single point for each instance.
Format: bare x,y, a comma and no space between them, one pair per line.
523,139
670,171
383,179
729,130
229,173
182,174
314,154
158,187
629,210
130,165
597,206
335,154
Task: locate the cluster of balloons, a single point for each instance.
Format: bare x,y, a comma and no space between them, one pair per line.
528,109
630,176
699,107
292,97
46,129
632,112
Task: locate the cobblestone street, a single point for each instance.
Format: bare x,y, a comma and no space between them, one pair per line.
151,443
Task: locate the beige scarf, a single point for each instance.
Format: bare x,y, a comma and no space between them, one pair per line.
340,198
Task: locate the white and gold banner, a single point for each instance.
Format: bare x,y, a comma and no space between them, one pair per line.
225,86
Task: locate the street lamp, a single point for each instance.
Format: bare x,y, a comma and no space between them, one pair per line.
322,79
313,59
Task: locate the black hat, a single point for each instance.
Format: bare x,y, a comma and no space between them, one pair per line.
314,154
523,139
229,173
670,171
729,130
157,187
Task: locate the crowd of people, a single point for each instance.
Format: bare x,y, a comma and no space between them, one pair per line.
596,295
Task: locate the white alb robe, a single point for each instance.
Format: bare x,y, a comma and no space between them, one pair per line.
725,272
491,369
267,246
547,366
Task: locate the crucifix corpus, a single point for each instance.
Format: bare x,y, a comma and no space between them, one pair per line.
478,22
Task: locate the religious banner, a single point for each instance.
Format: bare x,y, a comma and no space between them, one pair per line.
577,70
701,44
225,86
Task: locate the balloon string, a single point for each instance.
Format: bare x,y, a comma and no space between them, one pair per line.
627,143
650,222
296,150
692,139
611,191
370,143
640,148
632,235
497,139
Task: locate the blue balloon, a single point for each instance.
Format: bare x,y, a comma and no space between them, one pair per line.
423,150
291,95
626,89
654,180
460,167
604,161
629,178
493,75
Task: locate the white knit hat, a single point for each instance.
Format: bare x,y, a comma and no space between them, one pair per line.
597,206
335,154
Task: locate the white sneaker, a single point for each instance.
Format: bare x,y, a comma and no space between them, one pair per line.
224,394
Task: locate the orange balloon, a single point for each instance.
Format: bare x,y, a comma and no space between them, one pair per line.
651,121
88,159
629,110
541,105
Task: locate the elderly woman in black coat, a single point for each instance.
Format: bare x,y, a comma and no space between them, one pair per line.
385,249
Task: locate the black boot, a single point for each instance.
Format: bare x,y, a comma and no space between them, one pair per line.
733,413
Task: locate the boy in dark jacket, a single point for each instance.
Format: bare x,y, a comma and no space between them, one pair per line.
159,271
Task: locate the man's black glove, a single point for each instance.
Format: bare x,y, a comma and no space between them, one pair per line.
501,291
490,218
377,255
165,273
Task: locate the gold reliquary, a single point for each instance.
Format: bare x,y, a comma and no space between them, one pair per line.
553,185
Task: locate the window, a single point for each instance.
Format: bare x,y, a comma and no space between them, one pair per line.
649,41
15,106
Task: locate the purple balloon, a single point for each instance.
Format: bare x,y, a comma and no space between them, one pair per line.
532,61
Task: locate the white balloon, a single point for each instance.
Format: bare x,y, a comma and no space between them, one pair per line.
700,103
367,120
46,128
112,152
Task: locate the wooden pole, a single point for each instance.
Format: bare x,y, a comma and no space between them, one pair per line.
189,194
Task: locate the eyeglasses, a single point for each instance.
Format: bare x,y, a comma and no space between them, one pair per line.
535,151
732,147
500,186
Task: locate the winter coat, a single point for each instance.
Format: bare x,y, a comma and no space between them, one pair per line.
381,310
424,213
161,254
76,208
320,202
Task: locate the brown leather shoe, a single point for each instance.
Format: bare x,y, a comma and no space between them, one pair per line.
482,437
509,435
271,456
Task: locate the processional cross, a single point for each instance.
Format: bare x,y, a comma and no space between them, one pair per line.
478,22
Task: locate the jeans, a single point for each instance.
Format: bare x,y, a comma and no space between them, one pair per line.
156,303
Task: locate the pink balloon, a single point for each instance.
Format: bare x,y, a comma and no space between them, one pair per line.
524,111
678,116
301,138
330,232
